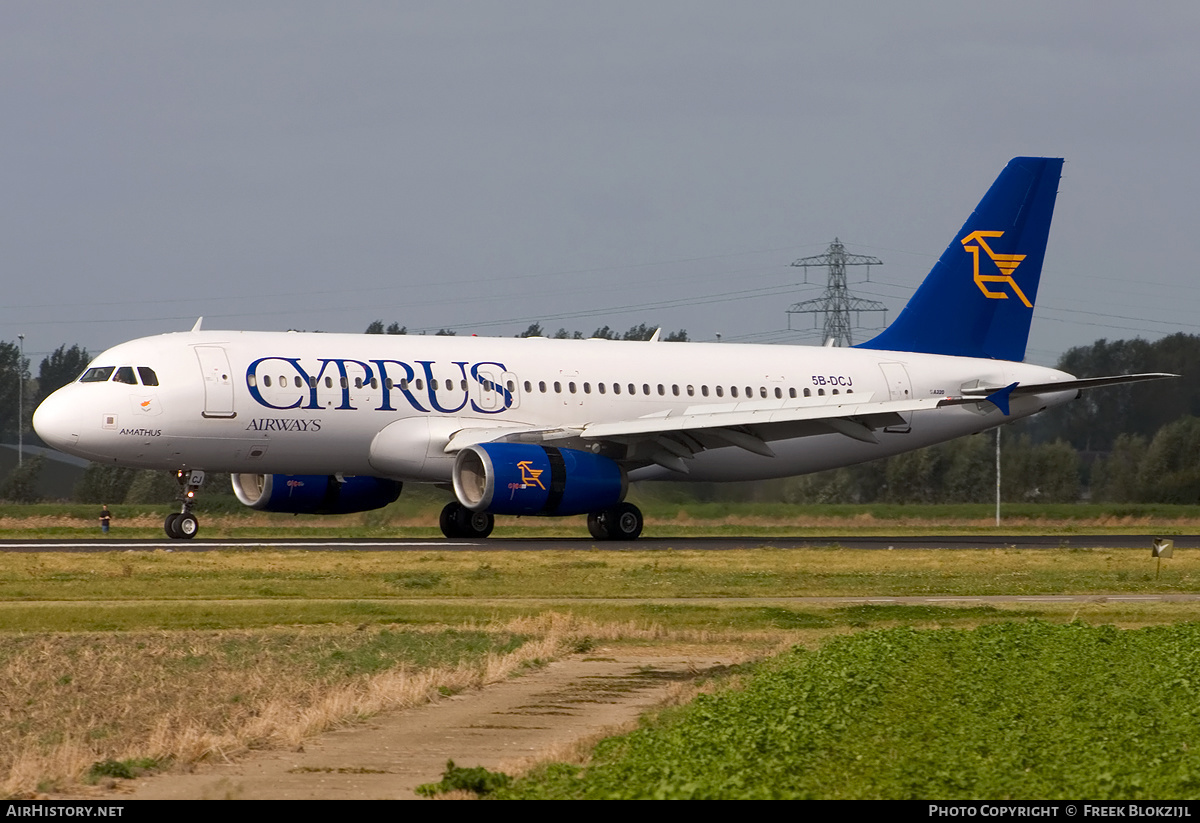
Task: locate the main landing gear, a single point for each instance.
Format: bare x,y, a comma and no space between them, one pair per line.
621,522
459,521
183,525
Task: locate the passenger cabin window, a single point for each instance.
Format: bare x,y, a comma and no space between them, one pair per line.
149,378
97,375
125,375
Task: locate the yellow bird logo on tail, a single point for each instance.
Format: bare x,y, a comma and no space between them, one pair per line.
1006,263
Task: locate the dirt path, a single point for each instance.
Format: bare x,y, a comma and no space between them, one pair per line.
498,727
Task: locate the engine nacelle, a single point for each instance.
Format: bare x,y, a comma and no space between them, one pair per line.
314,493
522,478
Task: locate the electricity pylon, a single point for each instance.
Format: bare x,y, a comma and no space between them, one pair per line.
836,302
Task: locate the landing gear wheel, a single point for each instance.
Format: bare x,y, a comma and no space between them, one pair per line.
625,523
187,525
475,525
183,525
448,518
457,520
621,522
598,525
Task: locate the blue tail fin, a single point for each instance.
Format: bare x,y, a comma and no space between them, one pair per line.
978,299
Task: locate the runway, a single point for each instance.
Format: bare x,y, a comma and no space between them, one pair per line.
885,543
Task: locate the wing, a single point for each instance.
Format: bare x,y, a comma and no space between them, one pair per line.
672,437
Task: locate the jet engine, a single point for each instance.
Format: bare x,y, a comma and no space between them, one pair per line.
314,493
528,479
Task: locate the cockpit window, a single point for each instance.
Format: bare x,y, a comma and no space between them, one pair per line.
98,374
149,378
125,375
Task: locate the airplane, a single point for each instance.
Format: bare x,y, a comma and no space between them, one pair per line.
337,423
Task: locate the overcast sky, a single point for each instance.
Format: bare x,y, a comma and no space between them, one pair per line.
484,165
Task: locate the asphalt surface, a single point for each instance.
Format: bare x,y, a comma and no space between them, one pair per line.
958,542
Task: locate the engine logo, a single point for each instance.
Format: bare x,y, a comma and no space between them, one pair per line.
529,475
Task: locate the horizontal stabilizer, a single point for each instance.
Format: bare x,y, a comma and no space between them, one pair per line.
1001,394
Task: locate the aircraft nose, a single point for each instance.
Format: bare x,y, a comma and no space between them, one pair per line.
57,422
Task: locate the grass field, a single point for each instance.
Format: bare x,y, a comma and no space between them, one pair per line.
1023,710
387,584
114,662
417,516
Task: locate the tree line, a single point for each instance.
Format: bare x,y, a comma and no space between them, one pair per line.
638,332
57,369
1162,469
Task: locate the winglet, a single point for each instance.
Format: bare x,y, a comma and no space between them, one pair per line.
999,399
199,320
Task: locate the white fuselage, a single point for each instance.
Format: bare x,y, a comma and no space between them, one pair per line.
297,403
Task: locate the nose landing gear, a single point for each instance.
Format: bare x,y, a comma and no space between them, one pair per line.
183,525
